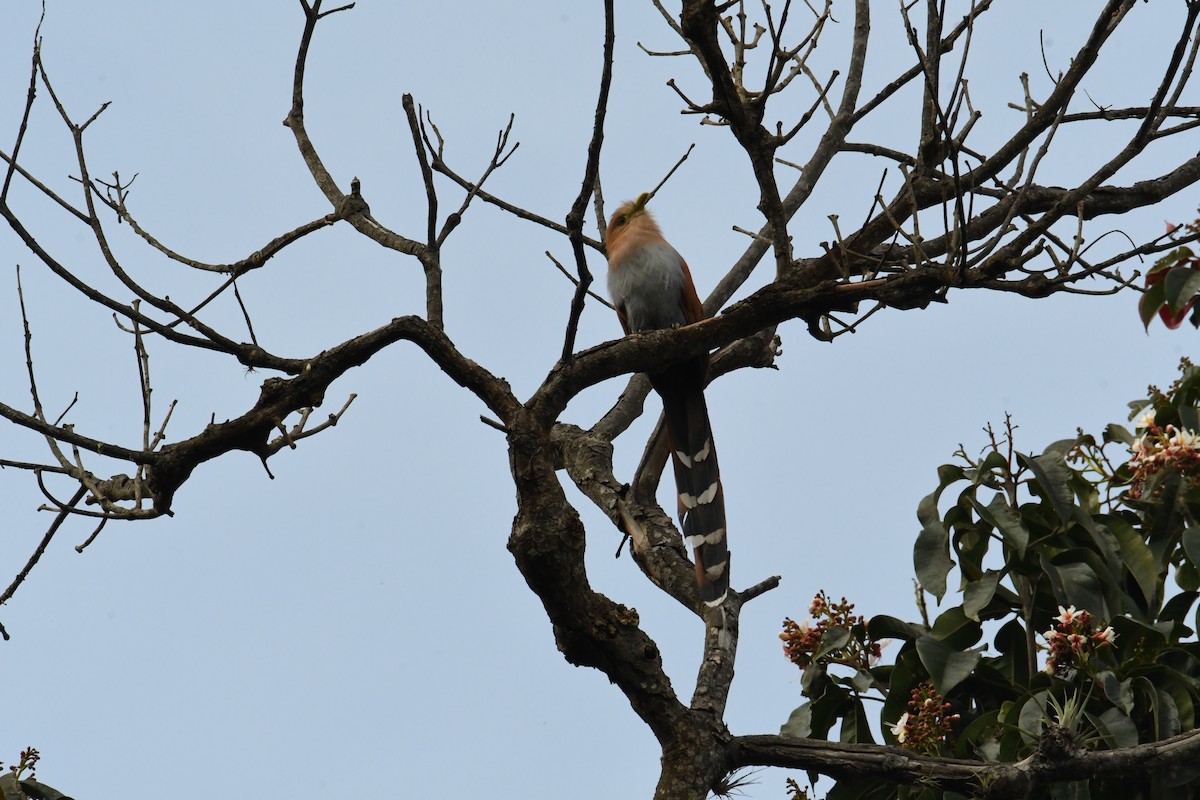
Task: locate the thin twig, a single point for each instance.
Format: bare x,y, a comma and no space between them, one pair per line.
31,94
575,218
7,594
575,281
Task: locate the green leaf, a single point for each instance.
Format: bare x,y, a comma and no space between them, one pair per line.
1153,299
1004,518
1187,577
1013,740
956,629
1104,544
29,788
862,681
1076,583
1137,558
1116,728
927,509
931,558
977,594
1118,692
991,462
855,726
1191,544
1188,417
947,666
1088,498
1118,433
834,639
812,673
799,723
1147,696
881,626
978,738
1033,716
1178,607
1053,476
1181,285
1185,705
905,676
1166,715
969,539
1064,446
1138,642
1165,522
1013,643
931,553
826,710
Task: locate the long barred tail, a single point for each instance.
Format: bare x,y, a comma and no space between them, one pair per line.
697,477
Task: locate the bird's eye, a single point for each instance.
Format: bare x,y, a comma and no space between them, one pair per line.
619,221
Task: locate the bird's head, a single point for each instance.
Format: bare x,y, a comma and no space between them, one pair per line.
630,215
628,211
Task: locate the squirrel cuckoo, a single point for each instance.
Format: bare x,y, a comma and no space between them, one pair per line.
652,288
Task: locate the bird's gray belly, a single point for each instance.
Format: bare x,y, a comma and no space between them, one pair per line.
649,286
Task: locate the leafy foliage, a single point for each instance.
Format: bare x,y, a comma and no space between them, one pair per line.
1077,573
1173,286
19,781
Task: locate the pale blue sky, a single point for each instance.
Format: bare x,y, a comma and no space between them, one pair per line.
356,626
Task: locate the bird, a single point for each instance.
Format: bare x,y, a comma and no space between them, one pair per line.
651,288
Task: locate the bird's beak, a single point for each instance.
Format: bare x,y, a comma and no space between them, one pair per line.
639,205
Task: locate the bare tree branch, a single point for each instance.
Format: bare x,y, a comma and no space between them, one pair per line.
576,216
957,215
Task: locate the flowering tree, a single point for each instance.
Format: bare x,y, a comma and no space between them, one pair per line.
1070,660
962,204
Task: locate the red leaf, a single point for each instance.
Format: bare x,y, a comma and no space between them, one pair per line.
1173,321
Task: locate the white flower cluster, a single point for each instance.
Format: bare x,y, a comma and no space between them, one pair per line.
1158,447
1073,640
